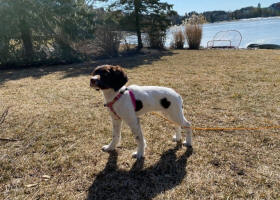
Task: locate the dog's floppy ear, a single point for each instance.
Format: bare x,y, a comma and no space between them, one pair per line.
119,77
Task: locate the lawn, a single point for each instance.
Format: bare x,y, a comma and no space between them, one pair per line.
57,125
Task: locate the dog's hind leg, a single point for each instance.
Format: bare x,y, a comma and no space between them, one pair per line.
178,135
188,130
176,115
186,126
117,123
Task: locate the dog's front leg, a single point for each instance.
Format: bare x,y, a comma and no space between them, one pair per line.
117,123
136,130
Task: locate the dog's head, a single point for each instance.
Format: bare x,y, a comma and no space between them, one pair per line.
108,77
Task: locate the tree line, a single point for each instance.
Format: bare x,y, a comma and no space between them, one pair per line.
38,32
243,13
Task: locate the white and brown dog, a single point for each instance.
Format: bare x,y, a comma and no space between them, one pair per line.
127,103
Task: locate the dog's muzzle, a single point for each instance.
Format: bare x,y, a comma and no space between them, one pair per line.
93,81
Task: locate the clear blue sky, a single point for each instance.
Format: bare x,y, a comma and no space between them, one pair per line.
183,6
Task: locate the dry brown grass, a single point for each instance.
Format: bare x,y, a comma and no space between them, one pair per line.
61,126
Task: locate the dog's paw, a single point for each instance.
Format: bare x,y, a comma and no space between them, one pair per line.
176,139
107,148
187,144
137,155
119,144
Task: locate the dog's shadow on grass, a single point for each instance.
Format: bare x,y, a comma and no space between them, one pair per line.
139,183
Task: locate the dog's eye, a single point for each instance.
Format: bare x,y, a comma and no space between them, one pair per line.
100,73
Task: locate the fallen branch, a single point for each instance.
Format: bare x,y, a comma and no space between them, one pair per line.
8,140
2,119
4,115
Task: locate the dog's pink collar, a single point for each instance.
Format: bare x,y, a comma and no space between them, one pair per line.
110,104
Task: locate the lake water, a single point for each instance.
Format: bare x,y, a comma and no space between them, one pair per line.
256,30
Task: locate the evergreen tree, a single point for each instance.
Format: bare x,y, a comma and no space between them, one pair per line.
31,23
144,15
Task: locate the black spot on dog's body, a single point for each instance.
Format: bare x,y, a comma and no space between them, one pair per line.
165,103
139,105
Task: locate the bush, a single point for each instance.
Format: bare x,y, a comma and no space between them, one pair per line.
49,39
178,40
107,42
193,35
193,31
155,39
45,51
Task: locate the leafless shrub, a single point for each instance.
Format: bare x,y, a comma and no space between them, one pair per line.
155,38
107,41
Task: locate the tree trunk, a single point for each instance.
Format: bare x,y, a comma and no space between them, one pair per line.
4,51
137,4
26,36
